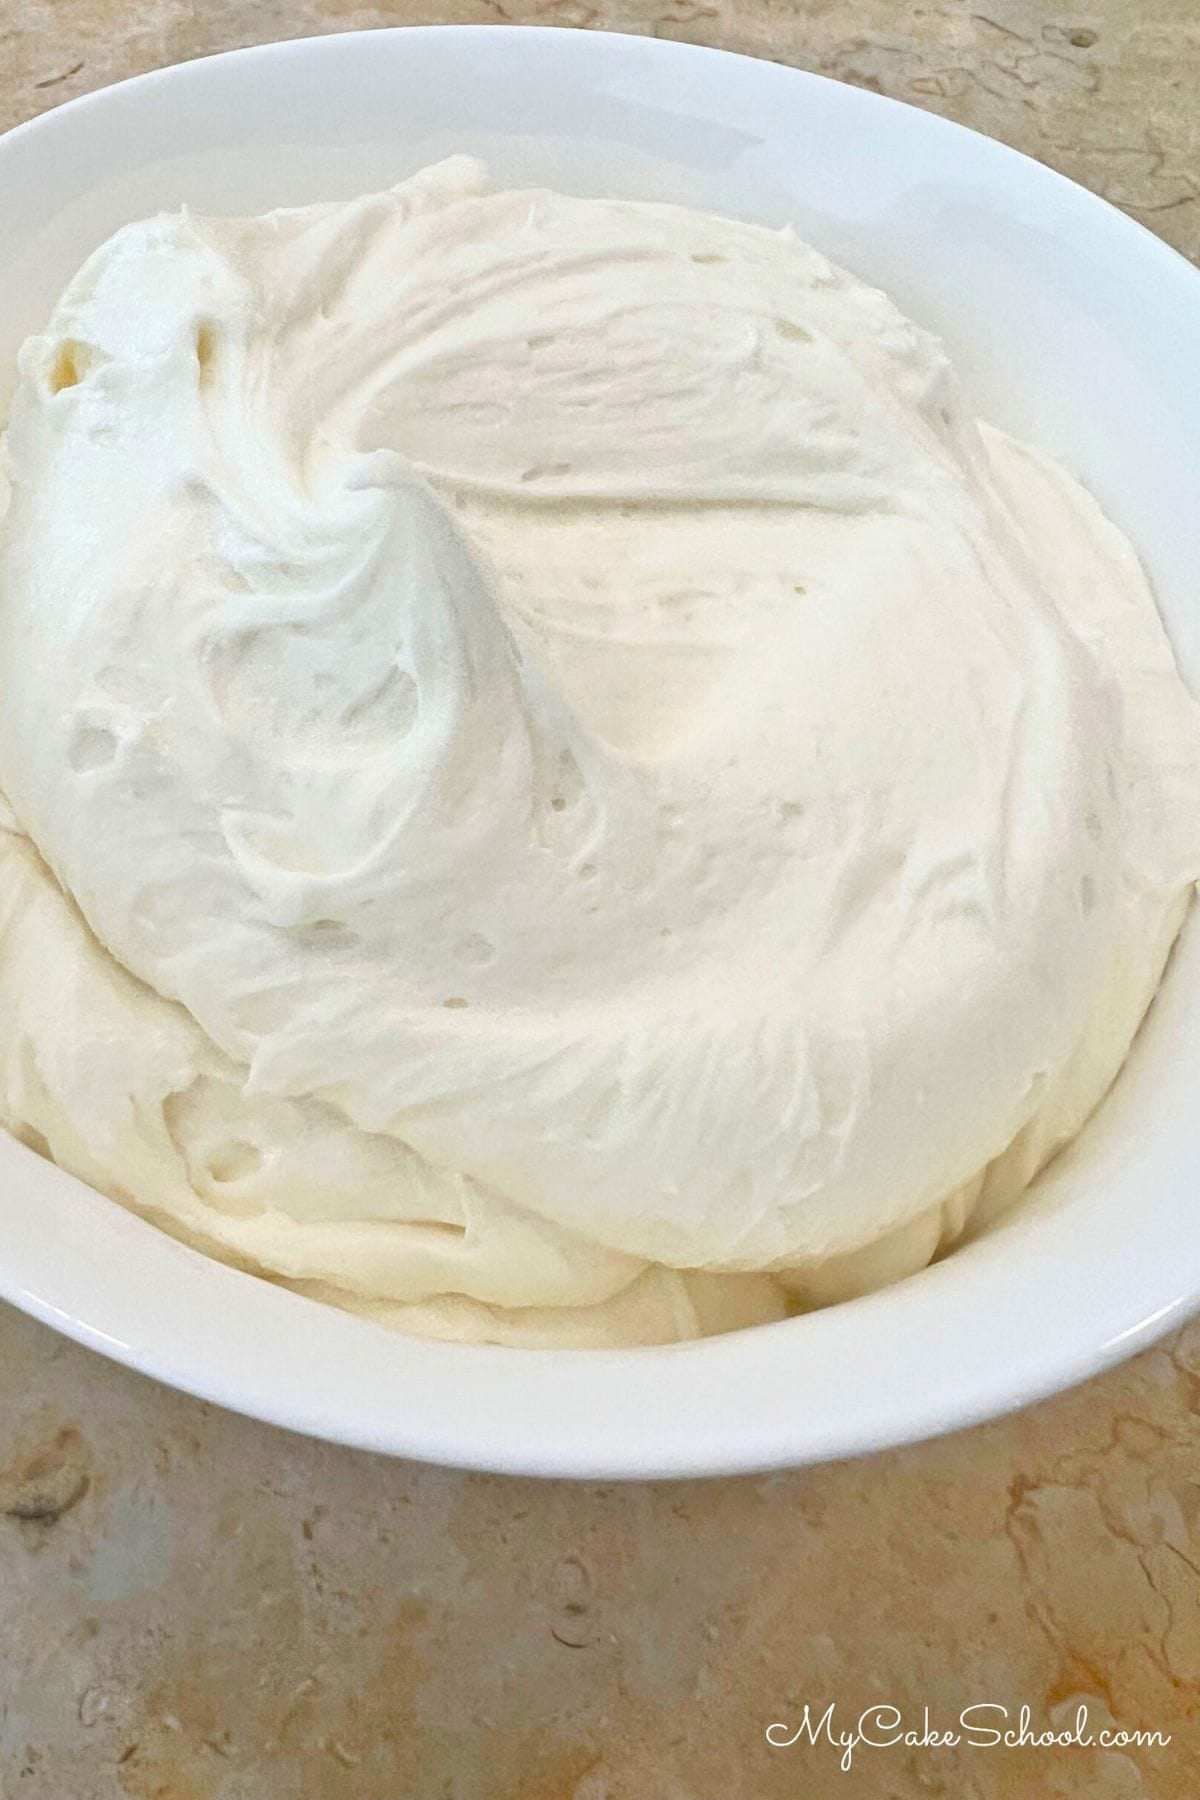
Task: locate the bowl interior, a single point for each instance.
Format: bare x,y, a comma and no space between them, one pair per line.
1072,326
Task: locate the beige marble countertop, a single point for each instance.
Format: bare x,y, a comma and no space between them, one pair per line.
194,1607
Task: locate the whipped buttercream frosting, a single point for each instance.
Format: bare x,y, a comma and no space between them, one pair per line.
561,788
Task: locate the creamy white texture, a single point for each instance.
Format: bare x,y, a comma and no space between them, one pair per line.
566,790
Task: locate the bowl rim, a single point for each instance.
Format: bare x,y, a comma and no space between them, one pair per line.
780,1395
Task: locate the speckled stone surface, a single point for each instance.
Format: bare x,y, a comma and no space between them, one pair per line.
193,1607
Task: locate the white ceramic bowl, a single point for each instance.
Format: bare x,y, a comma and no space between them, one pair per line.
1074,327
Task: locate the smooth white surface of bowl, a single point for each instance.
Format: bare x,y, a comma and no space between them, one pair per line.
1074,328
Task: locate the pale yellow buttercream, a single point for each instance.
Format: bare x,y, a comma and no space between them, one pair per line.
563,789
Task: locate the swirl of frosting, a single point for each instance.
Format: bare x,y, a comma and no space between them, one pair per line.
566,790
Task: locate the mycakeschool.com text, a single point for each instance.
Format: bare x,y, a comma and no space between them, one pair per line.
986,1725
